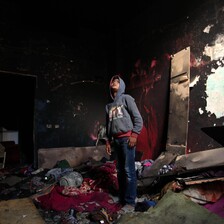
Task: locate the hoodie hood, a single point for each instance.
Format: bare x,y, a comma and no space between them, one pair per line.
121,89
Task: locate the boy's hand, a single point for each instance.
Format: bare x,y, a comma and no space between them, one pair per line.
108,149
132,141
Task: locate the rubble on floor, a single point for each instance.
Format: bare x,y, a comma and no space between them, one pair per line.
173,208
89,195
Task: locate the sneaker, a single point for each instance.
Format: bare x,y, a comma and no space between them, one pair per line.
127,209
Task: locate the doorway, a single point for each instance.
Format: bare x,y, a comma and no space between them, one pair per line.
17,98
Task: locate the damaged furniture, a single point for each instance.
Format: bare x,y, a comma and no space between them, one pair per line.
12,154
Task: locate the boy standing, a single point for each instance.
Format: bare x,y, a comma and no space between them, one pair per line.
123,125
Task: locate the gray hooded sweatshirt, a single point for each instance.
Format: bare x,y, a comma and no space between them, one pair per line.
122,114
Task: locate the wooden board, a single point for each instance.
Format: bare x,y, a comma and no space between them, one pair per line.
179,102
202,159
20,211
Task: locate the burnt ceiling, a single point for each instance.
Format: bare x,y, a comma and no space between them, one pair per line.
66,16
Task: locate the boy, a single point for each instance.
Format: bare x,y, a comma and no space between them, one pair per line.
123,125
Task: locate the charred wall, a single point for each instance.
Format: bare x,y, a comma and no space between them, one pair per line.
147,51
70,70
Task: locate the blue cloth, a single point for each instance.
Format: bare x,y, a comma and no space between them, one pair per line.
150,203
57,173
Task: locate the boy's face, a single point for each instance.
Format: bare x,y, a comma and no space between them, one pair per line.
115,84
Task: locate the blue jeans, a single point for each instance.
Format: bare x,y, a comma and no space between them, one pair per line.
126,173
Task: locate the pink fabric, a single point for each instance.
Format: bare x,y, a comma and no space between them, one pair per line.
82,202
91,195
216,207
